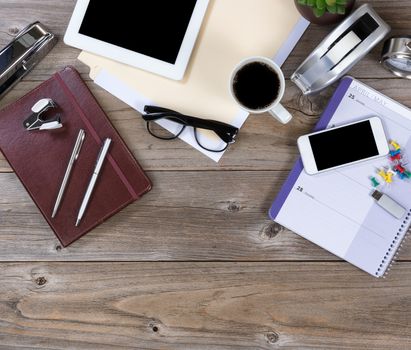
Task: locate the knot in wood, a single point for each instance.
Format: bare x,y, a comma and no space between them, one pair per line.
58,248
271,230
272,337
233,207
154,326
41,281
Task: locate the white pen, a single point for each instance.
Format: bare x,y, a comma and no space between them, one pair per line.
99,164
74,155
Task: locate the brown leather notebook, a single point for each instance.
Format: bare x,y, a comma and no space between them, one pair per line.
40,158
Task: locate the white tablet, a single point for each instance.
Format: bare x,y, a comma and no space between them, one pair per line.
155,35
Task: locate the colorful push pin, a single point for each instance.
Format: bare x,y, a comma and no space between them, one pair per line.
396,153
399,168
383,175
389,177
395,145
397,157
374,182
407,174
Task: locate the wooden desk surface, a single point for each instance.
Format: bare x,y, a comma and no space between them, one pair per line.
196,264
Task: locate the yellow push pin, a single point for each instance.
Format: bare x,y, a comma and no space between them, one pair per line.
388,180
384,175
395,145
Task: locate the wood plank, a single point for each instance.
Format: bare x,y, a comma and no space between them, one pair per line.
12,21
211,306
259,136
263,144
273,145
187,216
55,15
193,215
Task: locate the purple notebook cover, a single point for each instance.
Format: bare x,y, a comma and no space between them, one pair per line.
298,167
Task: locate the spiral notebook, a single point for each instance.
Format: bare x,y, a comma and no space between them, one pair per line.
335,209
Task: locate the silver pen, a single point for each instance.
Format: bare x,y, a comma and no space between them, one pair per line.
74,155
99,164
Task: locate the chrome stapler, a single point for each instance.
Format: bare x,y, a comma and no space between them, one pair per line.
28,47
341,50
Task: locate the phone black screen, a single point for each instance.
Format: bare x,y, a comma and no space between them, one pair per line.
154,28
343,145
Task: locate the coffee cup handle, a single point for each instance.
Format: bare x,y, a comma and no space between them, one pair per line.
281,114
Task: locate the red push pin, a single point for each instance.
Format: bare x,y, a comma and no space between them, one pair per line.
399,168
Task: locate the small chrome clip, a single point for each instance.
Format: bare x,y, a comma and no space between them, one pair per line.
36,122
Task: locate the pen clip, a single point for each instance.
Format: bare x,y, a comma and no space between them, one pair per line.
104,148
79,144
99,155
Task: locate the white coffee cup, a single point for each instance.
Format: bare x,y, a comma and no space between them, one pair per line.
274,108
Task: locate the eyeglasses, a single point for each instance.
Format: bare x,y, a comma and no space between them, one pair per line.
220,135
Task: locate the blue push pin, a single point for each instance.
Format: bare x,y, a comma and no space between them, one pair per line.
395,153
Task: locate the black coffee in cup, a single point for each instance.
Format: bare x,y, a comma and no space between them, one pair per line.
256,85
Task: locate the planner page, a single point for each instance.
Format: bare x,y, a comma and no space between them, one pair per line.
335,209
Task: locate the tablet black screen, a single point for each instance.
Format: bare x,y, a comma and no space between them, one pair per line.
154,28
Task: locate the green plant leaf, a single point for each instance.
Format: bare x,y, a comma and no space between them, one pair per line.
332,9
321,5
311,3
341,10
341,2
330,2
318,12
302,2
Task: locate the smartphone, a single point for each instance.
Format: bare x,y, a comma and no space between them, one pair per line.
343,145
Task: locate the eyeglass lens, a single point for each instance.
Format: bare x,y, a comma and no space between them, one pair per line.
206,139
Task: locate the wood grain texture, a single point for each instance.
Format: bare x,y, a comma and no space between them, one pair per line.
275,148
57,14
263,144
187,216
210,306
229,278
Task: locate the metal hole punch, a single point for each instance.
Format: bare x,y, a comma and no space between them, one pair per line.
36,122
